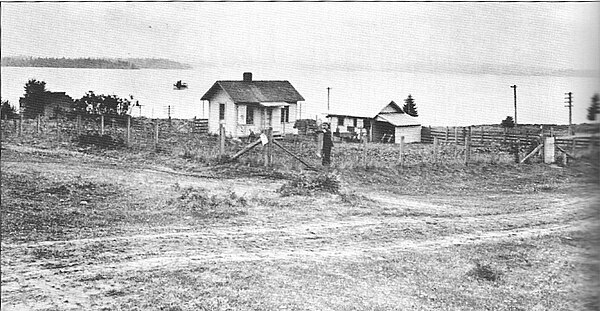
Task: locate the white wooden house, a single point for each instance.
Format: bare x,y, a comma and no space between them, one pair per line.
387,124
251,106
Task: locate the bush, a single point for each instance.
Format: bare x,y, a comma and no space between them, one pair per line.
100,141
201,204
305,184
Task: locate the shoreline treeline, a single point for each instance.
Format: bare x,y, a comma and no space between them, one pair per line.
95,63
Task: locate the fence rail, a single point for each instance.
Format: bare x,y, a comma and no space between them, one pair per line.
481,136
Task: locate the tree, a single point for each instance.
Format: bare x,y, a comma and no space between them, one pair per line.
409,107
508,122
594,108
7,110
35,99
102,104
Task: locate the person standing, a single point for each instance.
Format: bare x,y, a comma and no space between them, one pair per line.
327,145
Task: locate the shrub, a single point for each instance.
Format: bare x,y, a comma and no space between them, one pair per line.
201,204
305,184
483,271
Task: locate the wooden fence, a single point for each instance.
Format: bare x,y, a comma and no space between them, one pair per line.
481,136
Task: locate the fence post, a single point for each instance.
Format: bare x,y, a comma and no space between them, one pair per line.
156,134
435,149
467,146
128,131
364,143
401,151
447,130
456,135
101,124
482,142
20,125
270,146
221,139
516,151
37,125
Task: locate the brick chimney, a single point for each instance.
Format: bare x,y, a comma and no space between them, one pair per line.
247,77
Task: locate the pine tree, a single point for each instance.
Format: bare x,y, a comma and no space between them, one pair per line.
508,122
594,108
409,107
35,99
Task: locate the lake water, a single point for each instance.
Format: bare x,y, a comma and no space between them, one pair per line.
441,99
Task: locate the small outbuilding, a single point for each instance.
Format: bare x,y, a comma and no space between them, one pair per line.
387,125
249,106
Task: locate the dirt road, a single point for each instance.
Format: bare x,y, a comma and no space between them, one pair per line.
68,274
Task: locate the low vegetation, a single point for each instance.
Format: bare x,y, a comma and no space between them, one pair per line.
140,229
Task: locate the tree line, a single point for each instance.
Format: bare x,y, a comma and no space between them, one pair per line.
96,63
37,98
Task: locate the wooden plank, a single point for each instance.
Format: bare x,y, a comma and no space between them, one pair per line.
246,149
538,148
563,151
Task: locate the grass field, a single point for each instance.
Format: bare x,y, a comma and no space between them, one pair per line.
120,230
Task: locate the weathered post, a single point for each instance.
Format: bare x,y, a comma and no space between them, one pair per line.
101,124
270,147
447,132
516,149
37,125
482,143
467,146
319,143
20,125
401,151
364,145
128,131
435,149
456,135
156,134
221,139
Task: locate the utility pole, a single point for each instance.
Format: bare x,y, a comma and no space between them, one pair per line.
515,88
328,89
569,100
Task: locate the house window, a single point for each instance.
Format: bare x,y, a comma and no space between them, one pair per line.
249,115
340,120
355,122
221,111
285,114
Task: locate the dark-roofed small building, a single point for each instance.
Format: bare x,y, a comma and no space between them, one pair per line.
250,106
387,124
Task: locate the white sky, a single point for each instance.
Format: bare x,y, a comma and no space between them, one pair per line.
319,35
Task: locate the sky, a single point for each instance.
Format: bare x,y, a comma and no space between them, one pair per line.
366,52
348,36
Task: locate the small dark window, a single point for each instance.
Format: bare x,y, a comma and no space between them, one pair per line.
285,114
340,120
221,111
355,122
249,115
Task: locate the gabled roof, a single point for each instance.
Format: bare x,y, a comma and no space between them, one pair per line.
392,107
398,119
256,91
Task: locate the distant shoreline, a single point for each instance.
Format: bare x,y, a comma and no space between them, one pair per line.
93,63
